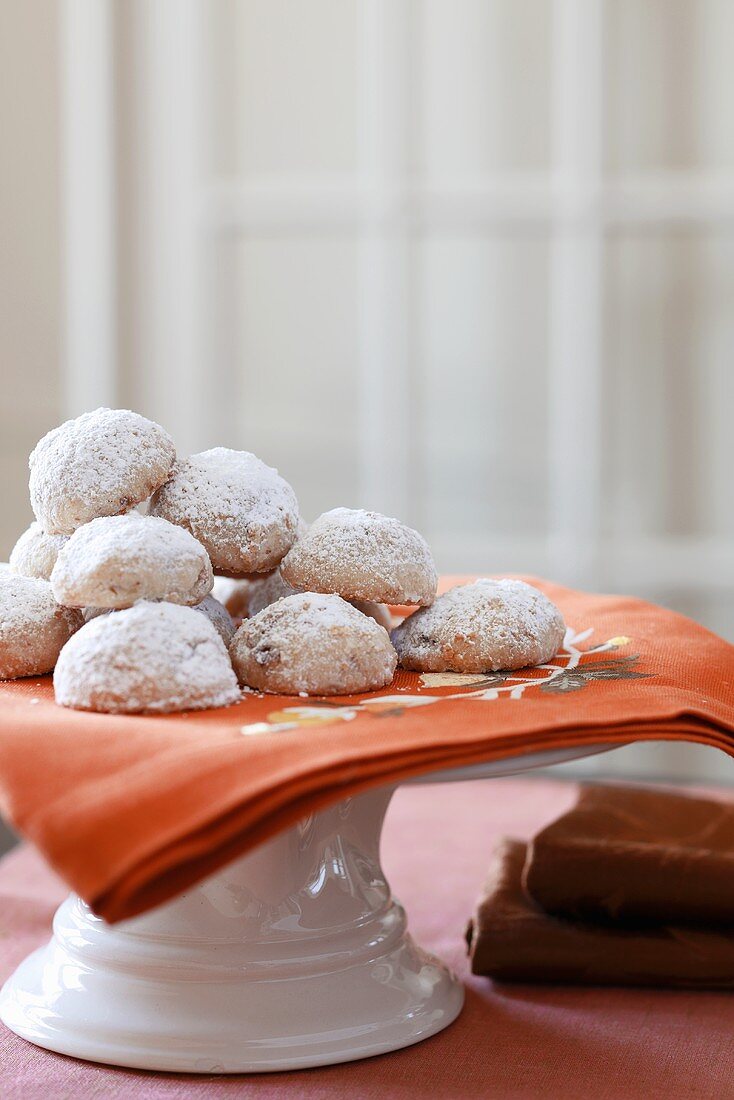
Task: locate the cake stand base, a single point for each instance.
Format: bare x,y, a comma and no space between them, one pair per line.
295,955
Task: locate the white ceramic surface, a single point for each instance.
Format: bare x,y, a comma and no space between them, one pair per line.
295,955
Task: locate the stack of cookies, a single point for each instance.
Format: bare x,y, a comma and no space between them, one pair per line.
114,586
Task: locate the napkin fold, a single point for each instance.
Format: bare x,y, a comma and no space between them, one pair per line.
512,939
131,810
638,855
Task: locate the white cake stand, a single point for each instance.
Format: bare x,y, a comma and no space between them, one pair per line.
295,955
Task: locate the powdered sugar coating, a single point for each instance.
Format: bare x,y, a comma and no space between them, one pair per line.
266,590
481,627
116,560
313,643
215,612
218,616
33,627
35,552
363,556
150,658
241,510
101,464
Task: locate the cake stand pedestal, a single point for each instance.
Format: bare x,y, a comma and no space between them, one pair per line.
295,955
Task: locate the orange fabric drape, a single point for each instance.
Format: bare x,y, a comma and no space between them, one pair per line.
130,810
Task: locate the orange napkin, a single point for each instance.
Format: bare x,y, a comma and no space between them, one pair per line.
131,810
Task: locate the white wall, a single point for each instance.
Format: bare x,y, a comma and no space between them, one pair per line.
30,334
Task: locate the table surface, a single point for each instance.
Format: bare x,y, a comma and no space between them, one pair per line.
510,1041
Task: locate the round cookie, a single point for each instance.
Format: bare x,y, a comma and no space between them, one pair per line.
101,464
150,658
218,616
313,643
241,510
363,556
115,560
481,627
33,627
266,590
215,612
35,552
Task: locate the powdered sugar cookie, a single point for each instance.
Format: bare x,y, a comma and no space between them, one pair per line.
150,658
218,616
266,590
481,627
35,552
115,560
241,510
215,612
312,643
101,464
363,556
33,627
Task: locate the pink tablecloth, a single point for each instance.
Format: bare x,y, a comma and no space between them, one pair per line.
528,1042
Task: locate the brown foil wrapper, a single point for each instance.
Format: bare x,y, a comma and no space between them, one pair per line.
511,939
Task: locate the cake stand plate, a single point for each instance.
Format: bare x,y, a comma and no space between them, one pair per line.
295,955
